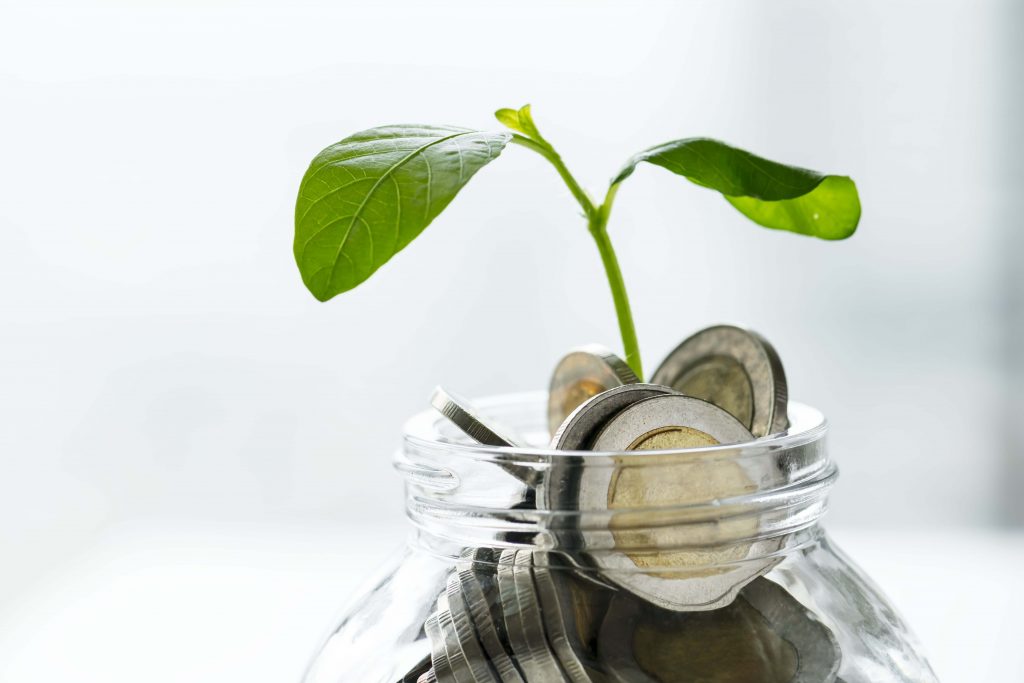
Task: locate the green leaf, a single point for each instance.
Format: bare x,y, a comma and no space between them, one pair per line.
367,197
510,118
831,211
769,193
521,121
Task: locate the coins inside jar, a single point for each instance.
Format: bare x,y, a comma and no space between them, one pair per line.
651,591
567,629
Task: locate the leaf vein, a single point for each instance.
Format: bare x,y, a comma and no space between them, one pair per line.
387,174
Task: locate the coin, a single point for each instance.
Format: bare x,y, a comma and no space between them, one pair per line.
650,493
558,489
453,648
465,633
533,624
512,617
487,562
816,646
582,373
578,430
735,369
671,421
558,620
464,416
438,655
471,581
427,677
738,643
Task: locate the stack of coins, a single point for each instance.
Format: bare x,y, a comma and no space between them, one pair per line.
602,613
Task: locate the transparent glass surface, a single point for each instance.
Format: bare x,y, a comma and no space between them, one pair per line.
534,566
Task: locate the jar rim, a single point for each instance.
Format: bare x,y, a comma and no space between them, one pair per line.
467,494
426,430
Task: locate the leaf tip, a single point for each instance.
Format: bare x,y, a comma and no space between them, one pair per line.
508,117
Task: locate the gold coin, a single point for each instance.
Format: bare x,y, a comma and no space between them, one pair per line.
736,370
720,380
764,635
735,644
671,481
580,375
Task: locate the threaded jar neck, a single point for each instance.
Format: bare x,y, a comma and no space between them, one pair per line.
697,507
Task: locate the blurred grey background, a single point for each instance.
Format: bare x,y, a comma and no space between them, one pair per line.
162,360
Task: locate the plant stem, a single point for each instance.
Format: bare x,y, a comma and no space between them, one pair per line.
597,224
549,153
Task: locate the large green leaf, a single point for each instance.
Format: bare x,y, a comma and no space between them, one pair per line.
769,193
365,198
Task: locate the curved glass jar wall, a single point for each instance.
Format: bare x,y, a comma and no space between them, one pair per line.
726,577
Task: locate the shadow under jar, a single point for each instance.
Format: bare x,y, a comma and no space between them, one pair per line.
692,565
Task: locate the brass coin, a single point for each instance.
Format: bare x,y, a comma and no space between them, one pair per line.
580,375
738,643
736,370
641,488
656,485
734,644
722,381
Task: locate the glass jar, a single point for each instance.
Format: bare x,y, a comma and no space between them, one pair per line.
724,575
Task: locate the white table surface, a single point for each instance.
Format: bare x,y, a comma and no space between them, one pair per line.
197,603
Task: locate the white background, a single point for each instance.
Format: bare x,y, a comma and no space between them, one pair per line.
161,363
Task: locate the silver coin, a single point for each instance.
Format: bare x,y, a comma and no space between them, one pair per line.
581,374
735,369
716,563
486,569
457,659
478,605
558,619
532,663
438,655
533,624
512,617
468,643
427,677
671,421
578,430
464,416
469,420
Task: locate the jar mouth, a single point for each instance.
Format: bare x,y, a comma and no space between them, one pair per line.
428,430
601,504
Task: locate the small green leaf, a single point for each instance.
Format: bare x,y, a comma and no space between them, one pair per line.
769,193
510,118
521,121
830,211
367,197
